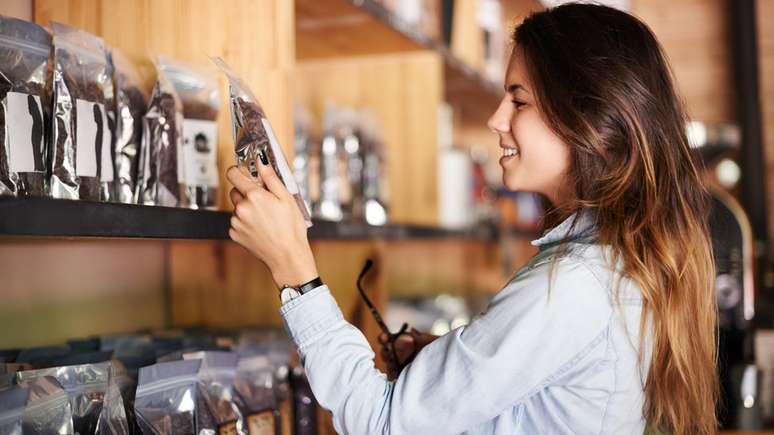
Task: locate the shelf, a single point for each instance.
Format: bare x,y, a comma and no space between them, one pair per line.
64,218
337,28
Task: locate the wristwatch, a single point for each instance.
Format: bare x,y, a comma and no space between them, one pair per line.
288,293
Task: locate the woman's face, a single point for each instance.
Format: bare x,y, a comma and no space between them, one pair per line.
534,158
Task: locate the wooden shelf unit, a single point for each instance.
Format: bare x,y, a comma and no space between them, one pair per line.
347,28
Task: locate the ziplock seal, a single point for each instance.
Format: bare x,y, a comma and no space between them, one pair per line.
23,44
51,401
63,42
163,384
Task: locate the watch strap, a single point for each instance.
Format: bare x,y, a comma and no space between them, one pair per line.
310,285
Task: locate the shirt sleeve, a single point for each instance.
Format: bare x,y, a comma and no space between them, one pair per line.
529,334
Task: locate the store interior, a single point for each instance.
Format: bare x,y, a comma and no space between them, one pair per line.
380,107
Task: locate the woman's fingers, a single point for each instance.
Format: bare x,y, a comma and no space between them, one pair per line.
242,182
235,196
272,181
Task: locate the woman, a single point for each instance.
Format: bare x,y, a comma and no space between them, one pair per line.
610,327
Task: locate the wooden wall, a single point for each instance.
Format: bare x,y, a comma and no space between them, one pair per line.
54,290
694,34
404,92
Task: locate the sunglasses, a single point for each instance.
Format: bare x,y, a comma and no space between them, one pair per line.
391,338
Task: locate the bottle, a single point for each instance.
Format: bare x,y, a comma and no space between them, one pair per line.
329,205
374,191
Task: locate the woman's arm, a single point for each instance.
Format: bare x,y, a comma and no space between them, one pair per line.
465,378
462,379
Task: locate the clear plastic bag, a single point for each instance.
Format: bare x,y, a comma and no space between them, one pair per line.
82,160
25,107
160,170
255,395
197,88
48,409
113,419
12,403
254,138
130,106
96,409
216,411
127,388
166,398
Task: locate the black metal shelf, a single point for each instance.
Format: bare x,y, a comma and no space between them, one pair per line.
43,217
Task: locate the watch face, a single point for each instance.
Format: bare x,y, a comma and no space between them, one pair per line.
288,293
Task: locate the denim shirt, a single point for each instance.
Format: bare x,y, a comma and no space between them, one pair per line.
543,358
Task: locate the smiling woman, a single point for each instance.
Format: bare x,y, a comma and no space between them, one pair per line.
610,327
534,157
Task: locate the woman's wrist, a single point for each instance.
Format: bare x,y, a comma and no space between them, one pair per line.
294,271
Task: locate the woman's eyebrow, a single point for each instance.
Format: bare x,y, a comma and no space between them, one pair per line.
512,88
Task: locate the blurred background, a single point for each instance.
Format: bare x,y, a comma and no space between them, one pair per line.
380,107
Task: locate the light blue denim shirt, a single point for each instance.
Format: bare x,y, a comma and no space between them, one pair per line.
538,360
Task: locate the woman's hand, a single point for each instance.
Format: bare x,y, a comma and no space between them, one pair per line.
268,223
407,346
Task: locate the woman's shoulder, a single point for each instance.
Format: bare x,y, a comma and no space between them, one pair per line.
575,271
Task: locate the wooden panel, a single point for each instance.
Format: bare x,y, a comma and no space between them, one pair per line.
515,11
766,77
467,37
403,91
459,267
325,28
694,34
21,9
54,290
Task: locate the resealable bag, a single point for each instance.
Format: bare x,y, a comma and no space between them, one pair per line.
216,411
166,398
255,395
25,107
130,106
161,168
48,409
197,88
81,157
12,404
95,401
254,139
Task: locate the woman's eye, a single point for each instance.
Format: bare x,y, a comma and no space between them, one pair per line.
518,104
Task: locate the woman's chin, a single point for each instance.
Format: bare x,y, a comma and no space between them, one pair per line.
512,185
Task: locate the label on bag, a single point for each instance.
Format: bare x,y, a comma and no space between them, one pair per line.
261,423
24,121
200,152
229,428
92,141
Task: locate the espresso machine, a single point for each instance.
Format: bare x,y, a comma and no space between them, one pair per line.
732,243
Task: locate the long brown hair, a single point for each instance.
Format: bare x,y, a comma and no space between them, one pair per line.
602,83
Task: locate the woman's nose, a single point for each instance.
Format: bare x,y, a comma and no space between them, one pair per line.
500,121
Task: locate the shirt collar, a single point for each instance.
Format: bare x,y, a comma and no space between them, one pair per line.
564,232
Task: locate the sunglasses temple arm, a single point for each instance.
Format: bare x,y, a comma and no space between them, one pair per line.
367,300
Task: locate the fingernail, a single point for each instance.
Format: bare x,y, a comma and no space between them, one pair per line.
262,156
